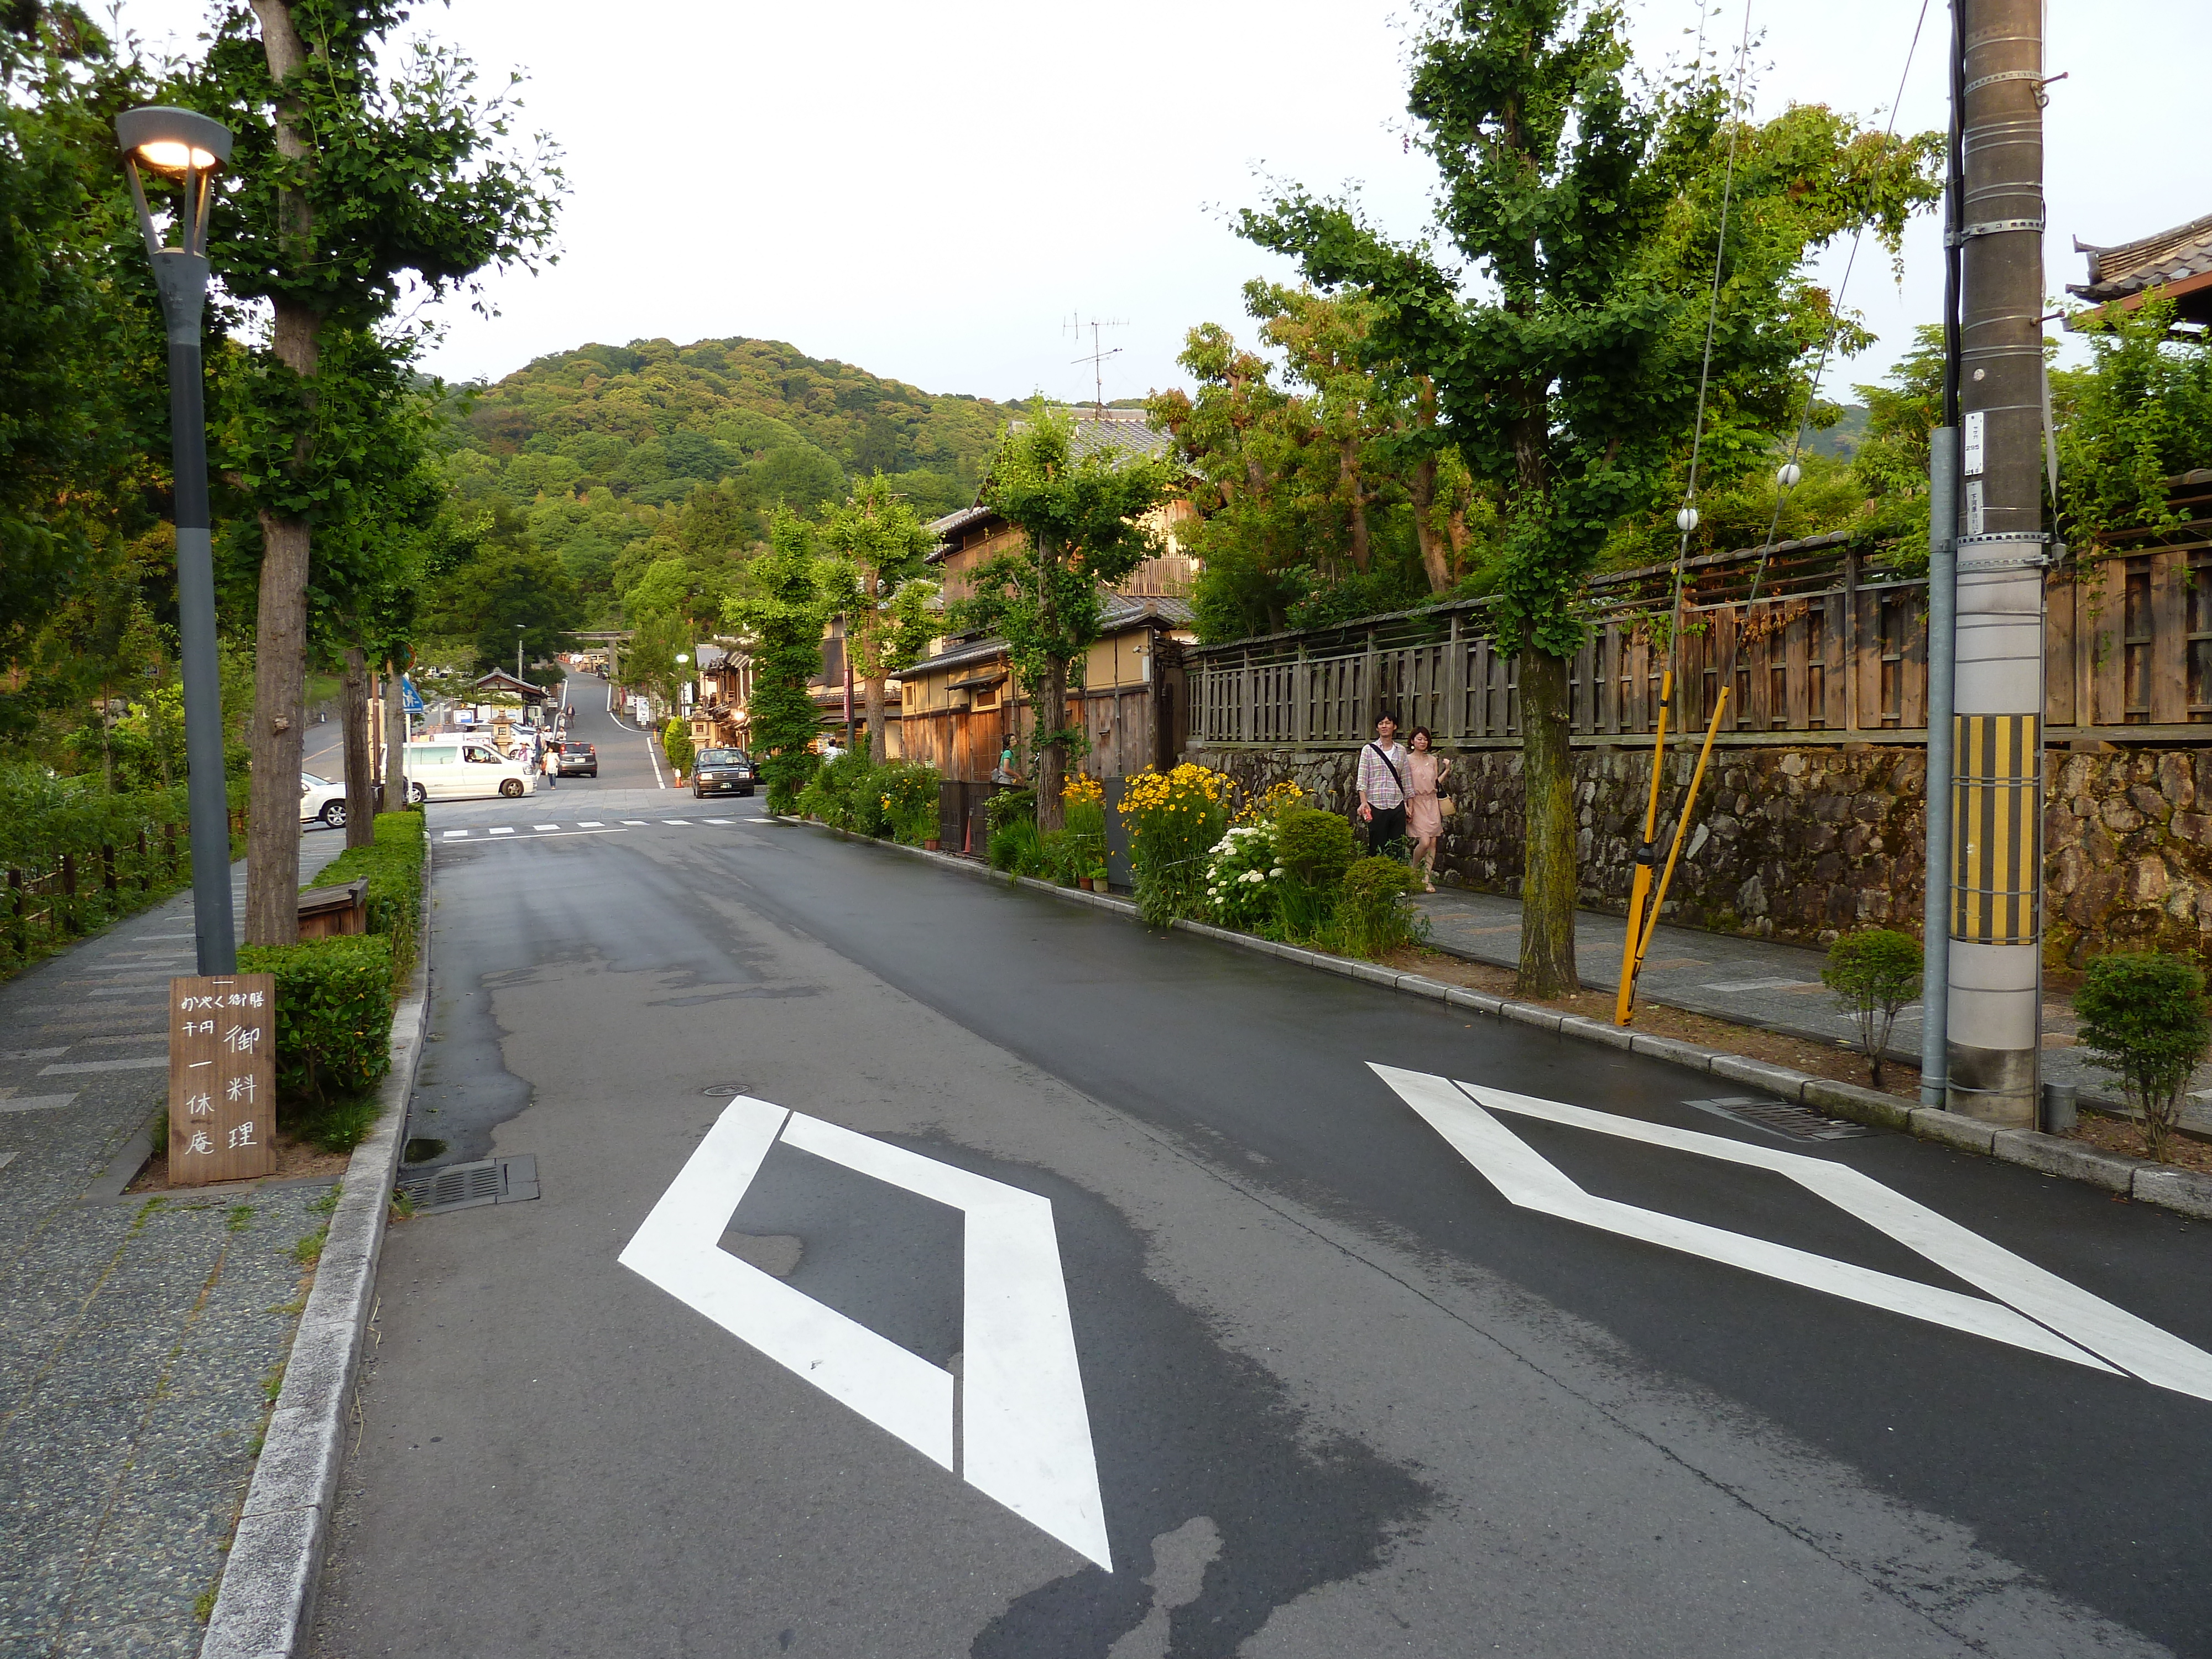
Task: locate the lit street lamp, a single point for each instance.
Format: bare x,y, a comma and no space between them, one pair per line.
188,148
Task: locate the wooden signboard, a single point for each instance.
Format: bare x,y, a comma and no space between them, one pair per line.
222,1078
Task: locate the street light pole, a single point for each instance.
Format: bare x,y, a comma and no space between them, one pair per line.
187,147
519,626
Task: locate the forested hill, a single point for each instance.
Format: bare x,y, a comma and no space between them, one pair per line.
600,446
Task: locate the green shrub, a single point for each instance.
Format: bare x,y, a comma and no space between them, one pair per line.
2143,1018
788,775
1085,819
1019,849
1875,973
1316,848
1373,917
1008,804
333,1015
394,868
910,793
844,794
676,744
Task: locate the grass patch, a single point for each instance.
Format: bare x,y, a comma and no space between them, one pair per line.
309,1250
203,1608
329,1202
240,1219
273,1384
338,1126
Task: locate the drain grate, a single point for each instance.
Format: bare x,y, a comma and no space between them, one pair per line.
465,1186
1790,1122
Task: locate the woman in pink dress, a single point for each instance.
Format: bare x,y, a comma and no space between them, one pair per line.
1425,770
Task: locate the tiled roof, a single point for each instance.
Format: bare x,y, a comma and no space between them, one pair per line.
1117,431
952,523
1120,610
2129,268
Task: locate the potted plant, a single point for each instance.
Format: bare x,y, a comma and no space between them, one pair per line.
1096,881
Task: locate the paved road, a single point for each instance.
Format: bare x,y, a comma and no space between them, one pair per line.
1333,1393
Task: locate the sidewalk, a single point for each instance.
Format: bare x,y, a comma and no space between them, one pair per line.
1770,985
138,1337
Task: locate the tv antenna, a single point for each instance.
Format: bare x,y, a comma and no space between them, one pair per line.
1097,356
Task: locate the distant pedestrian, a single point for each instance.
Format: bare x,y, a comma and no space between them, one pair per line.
1426,771
830,750
1382,786
552,764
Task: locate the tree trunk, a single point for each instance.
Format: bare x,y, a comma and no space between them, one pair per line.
1548,890
395,741
272,871
1423,488
1355,499
871,694
1052,698
1052,759
360,766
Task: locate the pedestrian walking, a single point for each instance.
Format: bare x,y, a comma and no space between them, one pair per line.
1382,785
552,764
1426,771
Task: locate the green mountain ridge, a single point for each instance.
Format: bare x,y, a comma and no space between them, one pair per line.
605,448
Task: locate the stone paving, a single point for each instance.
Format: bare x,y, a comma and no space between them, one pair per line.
1747,981
140,1338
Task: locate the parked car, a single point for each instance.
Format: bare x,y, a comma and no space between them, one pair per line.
579,760
449,769
721,772
322,801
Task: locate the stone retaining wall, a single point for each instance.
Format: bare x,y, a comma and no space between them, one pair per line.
1802,842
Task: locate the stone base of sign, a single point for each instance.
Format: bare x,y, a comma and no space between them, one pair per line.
265,1606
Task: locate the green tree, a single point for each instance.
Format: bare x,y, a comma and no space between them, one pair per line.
1078,514
2143,1018
2140,413
347,185
881,542
1569,381
1875,973
790,595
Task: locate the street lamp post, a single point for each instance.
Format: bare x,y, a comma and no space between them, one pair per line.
519,626
187,148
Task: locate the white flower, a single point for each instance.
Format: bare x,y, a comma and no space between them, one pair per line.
1277,873
1255,875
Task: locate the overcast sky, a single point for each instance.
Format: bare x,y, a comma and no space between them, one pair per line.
934,193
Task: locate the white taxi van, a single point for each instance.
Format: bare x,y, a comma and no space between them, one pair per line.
450,768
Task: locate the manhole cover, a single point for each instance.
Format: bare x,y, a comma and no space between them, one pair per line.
722,1090
465,1186
1790,1122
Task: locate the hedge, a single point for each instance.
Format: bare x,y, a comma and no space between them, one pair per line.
333,1014
394,868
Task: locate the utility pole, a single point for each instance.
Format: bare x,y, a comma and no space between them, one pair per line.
1995,991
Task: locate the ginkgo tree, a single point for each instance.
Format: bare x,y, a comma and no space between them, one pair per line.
1081,512
352,185
882,544
1566,353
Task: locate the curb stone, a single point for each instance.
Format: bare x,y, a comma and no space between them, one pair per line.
2184,1191
264,1607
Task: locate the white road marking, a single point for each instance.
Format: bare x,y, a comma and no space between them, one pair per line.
1529,1181
37,1102
504,830
455,835
676,820
634,822
725,823
6,1158
590,823
1026,1431
542,827
70,1066
1764,985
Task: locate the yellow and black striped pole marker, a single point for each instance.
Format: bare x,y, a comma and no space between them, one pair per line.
1640,885
1674,852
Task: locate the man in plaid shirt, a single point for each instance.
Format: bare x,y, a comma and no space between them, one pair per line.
1382,786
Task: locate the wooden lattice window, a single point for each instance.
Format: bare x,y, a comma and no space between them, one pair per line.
1816,667
1894,623
2199,614
2136,628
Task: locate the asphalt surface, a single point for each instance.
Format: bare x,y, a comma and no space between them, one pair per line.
1342,1396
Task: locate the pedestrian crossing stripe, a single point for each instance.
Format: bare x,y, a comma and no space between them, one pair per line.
582,826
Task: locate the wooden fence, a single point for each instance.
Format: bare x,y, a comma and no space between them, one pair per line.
59,898
1832,650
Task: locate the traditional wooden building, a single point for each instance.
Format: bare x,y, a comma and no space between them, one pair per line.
2177,263
961,710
